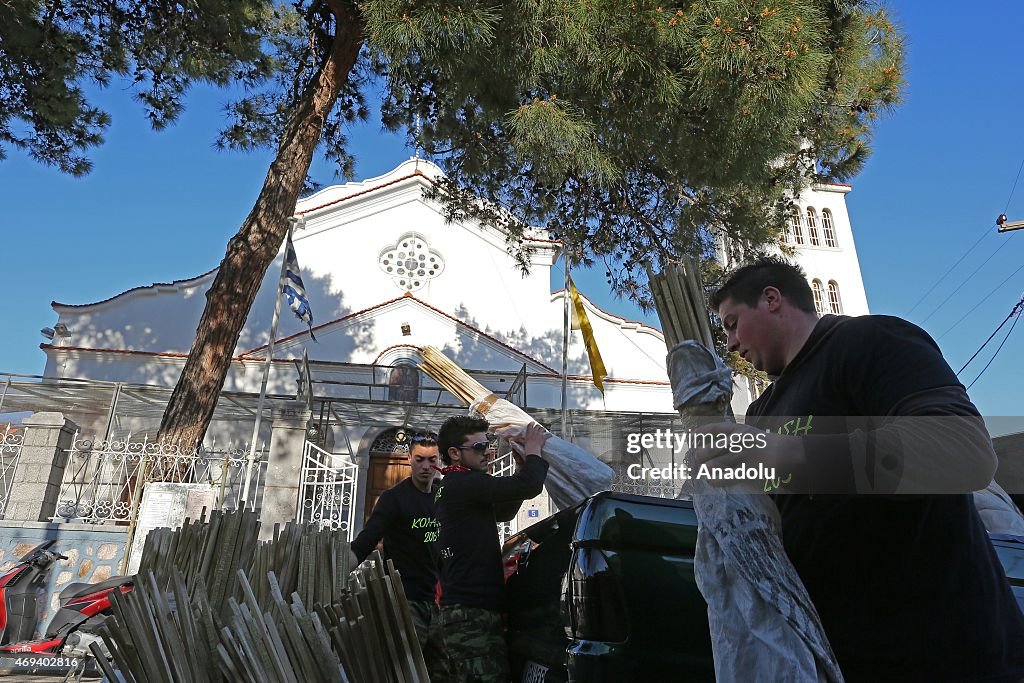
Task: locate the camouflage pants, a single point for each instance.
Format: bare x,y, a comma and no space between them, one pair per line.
426,617
475,639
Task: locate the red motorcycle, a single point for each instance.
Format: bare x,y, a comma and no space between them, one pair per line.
83,608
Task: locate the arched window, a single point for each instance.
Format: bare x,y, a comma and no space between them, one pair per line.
796,229
404,382
829,228
819,296
812,226
834,303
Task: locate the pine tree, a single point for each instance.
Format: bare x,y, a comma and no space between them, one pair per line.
636,131
51,50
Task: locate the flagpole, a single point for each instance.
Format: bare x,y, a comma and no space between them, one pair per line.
565,340
266,364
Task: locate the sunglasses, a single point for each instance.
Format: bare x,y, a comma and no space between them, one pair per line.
480,447
419,438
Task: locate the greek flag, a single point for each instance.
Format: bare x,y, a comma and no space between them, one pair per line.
293,289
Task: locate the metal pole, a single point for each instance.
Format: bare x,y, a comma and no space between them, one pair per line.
266,368
113,410
1007,226
565,340
3,397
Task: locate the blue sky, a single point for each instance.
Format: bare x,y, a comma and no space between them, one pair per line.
161,206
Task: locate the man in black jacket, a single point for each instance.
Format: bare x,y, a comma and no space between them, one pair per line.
405,519
470,503
908,587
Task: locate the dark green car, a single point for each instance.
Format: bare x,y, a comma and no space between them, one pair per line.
604,592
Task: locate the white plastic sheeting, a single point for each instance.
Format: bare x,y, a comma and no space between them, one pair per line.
998,512
573,473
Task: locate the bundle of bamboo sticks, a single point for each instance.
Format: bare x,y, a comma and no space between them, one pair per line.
310,561
679,299
168,637
573,473
452,377
206,609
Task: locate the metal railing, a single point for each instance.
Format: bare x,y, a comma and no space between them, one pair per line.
659,488
11,441
504,466
101,478
327,489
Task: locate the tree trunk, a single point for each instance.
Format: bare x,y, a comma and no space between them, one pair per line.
253,248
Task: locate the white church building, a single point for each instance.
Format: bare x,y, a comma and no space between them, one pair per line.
385,274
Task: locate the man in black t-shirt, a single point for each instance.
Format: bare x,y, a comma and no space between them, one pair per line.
470,503
405,519
908,587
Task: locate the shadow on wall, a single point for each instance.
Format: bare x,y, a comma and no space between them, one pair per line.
157,323
326,302
476,354
139,413
341,344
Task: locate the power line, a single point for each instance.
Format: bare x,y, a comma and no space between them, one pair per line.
966,253
1008,333
1008,199
968,279
1013,312
924,296
980,302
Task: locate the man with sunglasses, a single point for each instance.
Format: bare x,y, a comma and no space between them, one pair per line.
405,519
470,503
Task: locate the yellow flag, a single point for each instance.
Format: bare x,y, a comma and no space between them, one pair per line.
596,363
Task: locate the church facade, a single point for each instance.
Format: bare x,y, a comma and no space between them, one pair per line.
384,274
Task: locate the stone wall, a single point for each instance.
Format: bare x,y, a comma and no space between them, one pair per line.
94,554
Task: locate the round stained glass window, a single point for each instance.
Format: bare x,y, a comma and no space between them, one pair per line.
410,262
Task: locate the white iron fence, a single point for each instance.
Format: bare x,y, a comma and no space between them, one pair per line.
327,489
503,466
11,440
659,488
101,478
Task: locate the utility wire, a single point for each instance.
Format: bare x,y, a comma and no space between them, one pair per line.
1010,198
980,302
967,253
968,279
1015,311
985,232
1008,333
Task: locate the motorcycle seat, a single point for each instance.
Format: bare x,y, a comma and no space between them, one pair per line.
78,590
